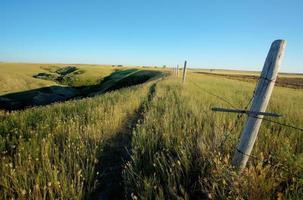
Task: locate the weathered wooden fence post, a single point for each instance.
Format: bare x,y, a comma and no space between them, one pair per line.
177,73
184,72
262,95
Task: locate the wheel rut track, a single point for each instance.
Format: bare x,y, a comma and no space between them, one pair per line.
116,154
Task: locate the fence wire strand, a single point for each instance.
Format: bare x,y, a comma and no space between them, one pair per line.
239,116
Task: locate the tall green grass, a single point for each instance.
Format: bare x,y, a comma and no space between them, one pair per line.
183,150
51,152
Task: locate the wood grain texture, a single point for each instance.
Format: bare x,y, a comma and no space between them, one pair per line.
260,101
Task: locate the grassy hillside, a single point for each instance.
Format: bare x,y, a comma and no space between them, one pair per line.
16,77
67,82
156,140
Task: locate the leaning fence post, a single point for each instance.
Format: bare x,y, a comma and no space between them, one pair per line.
262,95
184,72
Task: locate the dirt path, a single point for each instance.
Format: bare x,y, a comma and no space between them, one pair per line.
116,153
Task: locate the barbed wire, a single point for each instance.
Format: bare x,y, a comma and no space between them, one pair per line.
239,116
277,165
280,123
269,120
226,134
249,102
215,95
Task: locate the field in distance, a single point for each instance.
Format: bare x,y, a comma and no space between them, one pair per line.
139,133
27,85
290,80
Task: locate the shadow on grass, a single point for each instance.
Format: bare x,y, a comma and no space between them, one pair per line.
47,95
36,97
115,154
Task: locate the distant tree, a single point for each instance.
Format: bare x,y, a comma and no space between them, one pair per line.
164,66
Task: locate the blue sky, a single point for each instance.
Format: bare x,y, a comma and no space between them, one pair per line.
211,34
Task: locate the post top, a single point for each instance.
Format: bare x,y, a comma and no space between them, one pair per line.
279,41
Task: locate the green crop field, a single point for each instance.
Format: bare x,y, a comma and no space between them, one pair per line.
139,133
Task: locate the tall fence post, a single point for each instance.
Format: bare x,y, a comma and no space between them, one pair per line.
184,72
177,70
260,101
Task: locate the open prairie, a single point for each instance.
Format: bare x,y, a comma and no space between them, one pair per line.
283,80
15,77
151,100
139,133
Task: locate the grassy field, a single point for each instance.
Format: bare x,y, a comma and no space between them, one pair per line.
15,77
64,82
241,72
183,149
156,140
52,152
283,80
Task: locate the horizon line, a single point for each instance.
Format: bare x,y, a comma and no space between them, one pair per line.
167,66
